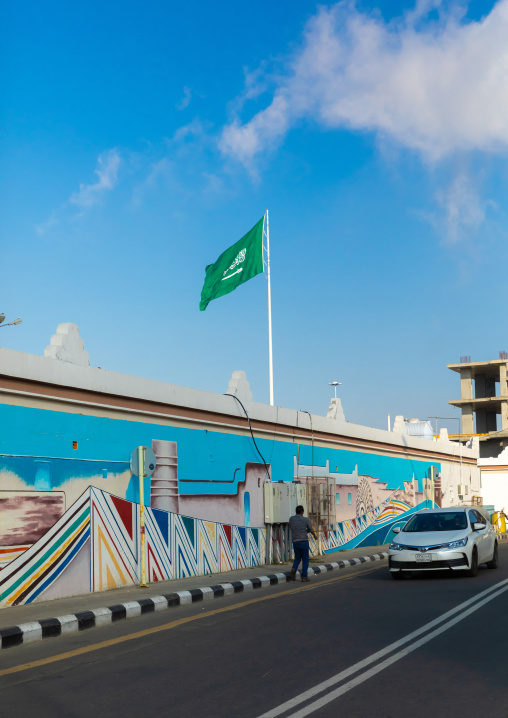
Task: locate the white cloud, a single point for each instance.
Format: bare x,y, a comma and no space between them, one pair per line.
108,165
435,87
107,168
46,226
186,99
193,129
183,166
462,209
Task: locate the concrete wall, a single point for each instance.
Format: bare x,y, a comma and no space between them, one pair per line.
68,427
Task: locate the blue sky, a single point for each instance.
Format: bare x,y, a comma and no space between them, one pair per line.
139,141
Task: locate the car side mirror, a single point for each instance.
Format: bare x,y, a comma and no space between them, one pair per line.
396,530
478,526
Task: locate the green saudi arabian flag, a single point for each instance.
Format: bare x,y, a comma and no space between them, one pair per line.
236,265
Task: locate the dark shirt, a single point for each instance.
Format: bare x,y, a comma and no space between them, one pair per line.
300,526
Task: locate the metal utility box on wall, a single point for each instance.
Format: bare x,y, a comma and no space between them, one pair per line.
272,503
300,498
281,500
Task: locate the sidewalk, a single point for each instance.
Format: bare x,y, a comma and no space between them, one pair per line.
194,588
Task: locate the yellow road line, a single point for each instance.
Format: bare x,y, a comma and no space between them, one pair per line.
169,626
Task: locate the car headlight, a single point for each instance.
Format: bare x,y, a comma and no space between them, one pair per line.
396,546
456,544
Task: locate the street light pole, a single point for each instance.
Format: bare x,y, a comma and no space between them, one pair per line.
9,324
335,384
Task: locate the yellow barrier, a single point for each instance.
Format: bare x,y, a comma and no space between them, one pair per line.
499,520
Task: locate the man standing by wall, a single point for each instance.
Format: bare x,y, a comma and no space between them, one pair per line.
300,526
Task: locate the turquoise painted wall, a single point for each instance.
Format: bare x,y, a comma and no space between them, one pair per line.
207,460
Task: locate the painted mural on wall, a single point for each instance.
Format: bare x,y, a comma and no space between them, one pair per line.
208,475
358,494
95,546
373,529
27,577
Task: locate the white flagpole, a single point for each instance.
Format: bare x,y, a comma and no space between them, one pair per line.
270,358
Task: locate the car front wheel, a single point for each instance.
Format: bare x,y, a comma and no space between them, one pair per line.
473,571
495,558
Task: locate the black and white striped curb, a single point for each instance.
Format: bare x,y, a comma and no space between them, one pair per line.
73,622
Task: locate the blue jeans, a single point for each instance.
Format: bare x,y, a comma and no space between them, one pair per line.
301,549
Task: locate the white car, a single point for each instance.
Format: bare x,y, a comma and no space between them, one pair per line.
457,539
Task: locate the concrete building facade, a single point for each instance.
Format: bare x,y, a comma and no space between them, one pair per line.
484,397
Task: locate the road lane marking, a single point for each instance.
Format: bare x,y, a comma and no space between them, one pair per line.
393,659
173,624
498,589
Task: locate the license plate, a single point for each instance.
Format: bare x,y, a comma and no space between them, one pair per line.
423,557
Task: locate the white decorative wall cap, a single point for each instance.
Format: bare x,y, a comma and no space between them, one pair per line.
335,410
66,345
399,425
239,386
443,434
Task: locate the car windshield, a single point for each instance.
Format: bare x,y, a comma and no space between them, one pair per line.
449,521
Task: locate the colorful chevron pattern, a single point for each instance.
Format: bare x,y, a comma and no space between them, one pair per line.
115,541
176,546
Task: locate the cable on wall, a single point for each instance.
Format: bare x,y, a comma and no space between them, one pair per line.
252,434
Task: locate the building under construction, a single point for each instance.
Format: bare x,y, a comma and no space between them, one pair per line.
484,398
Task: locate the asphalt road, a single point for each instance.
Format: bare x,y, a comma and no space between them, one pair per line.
291,650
